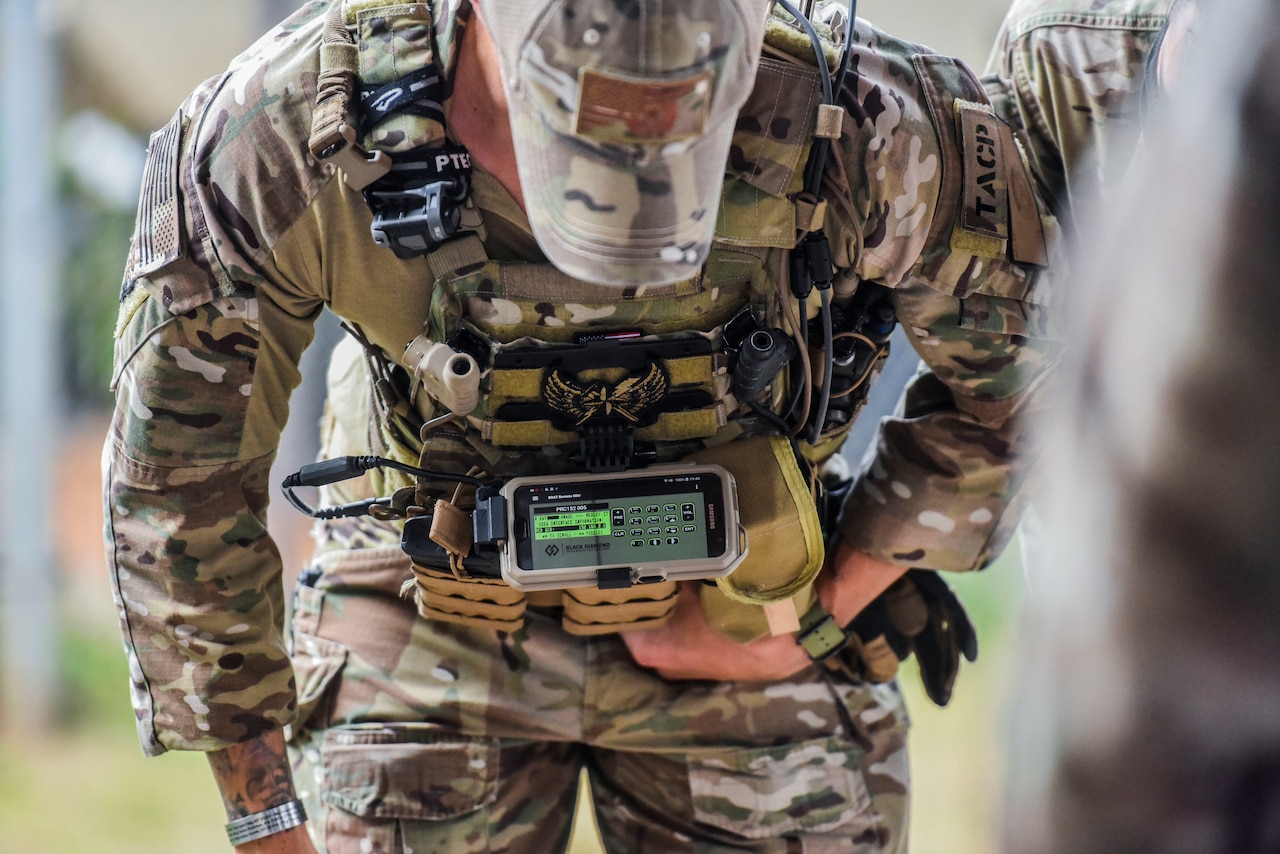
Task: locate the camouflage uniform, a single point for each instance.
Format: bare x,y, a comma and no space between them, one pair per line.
1147,710
428,735
1071,72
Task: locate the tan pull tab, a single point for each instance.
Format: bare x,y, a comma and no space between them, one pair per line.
451,529
782,617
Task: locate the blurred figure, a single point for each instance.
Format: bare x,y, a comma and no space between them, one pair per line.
1073,76
1149,715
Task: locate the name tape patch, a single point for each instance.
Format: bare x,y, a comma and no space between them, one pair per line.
986,190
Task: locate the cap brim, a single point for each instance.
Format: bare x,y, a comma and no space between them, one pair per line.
609,223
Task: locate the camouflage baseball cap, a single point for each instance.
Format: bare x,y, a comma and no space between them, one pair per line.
622,115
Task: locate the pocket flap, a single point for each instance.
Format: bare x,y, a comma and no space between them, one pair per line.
407,771
763,793
1004,316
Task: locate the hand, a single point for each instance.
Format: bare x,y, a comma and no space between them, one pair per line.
685,647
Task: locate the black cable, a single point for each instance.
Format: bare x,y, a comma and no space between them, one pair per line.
344,468
824,396
769,415
818,156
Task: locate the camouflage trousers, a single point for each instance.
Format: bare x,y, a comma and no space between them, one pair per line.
428,737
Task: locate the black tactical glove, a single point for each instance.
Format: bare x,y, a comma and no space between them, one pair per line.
920,614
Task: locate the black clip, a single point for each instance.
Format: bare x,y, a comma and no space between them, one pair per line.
606,446
418,205
415,221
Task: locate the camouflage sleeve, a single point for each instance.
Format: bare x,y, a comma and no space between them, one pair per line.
206,349
958,231
1074,70
195,575
945,487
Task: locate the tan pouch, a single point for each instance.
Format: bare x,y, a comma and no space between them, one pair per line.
589,611
486,603
785,551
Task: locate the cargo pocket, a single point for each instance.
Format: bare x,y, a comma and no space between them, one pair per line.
316,660
810,788
379,780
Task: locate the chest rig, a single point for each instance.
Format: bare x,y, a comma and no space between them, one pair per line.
564,375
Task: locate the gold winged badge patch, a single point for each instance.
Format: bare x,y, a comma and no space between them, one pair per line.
582,402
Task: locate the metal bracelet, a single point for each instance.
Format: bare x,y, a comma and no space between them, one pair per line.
269,822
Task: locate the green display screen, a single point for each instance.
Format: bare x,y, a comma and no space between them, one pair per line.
659,519
569,524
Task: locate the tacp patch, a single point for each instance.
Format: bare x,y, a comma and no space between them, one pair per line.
986,189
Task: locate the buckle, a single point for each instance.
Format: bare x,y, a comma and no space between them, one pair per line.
360,167
820,634
414,221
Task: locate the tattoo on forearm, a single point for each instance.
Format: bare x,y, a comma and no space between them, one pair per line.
252,777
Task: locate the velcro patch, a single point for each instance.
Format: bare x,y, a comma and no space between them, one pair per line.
157,238
986,189
616,109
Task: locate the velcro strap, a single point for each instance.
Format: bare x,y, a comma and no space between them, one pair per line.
830,118
340,56
326,138
590,611
811,216
456,255
339,67
670,426
451,528
333,134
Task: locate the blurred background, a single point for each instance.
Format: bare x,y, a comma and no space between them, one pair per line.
83,84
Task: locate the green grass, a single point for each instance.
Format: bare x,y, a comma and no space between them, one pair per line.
86,787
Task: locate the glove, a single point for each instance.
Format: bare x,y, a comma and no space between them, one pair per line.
920,614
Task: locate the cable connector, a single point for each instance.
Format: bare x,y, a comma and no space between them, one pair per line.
489,521
330,471
817,258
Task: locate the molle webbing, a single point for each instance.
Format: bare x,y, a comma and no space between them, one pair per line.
525,385
521,309
670,426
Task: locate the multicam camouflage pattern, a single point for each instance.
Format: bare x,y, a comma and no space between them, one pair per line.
1069,72
621,124
439,737
209,344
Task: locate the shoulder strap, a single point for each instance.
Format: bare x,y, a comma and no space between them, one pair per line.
334,124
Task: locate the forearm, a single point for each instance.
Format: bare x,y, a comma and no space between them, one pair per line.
852,580
254,776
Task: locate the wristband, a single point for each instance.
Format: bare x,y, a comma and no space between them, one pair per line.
269,822
820,634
